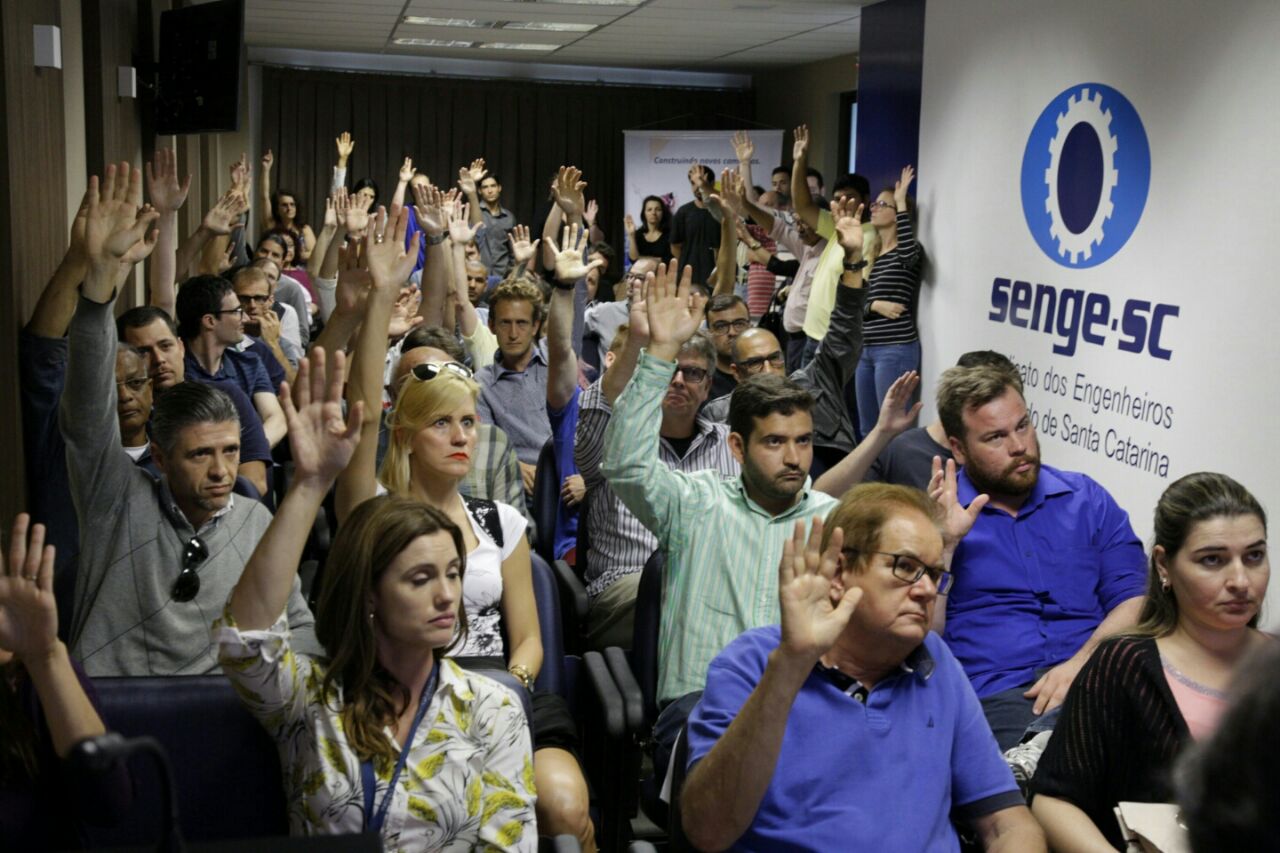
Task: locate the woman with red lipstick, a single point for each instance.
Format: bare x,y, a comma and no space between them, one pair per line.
385,734
432,437
1143,697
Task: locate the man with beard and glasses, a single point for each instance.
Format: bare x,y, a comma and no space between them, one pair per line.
722,535
1050,568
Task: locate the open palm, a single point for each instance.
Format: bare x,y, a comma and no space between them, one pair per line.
811,621
321,441
28,612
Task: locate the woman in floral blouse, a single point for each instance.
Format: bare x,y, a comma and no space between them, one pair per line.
384,735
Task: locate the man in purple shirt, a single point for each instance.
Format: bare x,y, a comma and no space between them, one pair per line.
1050,567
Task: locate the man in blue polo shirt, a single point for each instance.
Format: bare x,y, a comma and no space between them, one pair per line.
850,721
1050,568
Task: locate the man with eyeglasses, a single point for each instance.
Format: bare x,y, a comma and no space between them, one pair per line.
727,318
850,724
211,324
158,557
602,319
267,320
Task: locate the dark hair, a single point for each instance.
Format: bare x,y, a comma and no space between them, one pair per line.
184,405
710,174
494,176
435,337
857,183
963,388
197,297
298,219
762,395
141,317
19,748
786,170
370,184
285,236
1188,501
367,543
609,275
664,222
272,236
725,301
1226,784
991,358
814,173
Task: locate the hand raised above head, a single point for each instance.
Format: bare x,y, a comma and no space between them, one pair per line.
166,192
743,148
321,442
674,310
800,144
848,223
567,189
345,146
569,265
390,263
522,250
461,231
118,232
811,620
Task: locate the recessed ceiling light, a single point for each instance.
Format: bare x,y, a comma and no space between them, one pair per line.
434,43
446,22
549,27
503,45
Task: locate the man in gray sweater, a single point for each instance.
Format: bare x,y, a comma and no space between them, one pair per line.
158,559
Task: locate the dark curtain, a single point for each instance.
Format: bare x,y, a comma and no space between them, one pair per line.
524,130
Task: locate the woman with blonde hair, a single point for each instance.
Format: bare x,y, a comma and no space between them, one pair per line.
432,438
383,734
1143,697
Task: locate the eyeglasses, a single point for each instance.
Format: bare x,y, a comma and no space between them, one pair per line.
692,375
255,298
879,203
755,365
237,310
632,275
429,370
908,569
187,586
722,327
135,385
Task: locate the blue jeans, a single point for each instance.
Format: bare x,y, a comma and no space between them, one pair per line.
1010,717
877,369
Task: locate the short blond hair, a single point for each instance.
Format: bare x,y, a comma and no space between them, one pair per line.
517,289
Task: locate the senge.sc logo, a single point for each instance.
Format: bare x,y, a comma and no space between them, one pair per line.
1085,175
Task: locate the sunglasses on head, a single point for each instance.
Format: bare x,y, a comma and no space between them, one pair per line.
429,370
187,586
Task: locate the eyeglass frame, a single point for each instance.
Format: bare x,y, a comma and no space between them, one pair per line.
681,370
435,368
943,582
755,365
879,203
740,325
239,309
187,585
142,382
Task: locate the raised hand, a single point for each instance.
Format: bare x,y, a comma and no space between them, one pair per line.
404,314
957,519
354,284
28,612
800,143
895,416
224,214
75,244
345,146
330,215
429,209
406,171
730,195
900,187
461,231
589,214
167,194
569,265
743,147
567,189
698,178
811,621
629,224
470,176
389,262
117,233
674,310
848,223
240,175
522,251
267,160
321,442
638,312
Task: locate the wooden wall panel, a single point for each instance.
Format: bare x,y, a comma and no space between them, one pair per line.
32,211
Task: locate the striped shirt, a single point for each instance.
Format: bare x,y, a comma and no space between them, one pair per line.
722,547
895,278
620,544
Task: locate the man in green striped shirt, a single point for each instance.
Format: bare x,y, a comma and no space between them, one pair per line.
722,537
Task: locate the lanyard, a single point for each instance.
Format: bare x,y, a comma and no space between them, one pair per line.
373,821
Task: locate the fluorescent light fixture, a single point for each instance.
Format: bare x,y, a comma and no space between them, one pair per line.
580,2
434,43
446,22
548,26
504,45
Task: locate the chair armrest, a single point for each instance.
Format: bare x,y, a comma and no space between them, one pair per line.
572,592
613,708
641,847
629,688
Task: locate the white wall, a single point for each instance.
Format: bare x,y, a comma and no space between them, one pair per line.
1205,81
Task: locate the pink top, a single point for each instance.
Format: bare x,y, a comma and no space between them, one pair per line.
1201,706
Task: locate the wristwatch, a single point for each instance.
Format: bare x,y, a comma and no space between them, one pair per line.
436,239
521,672
855,266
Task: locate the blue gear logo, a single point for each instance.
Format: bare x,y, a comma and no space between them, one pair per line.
1085,175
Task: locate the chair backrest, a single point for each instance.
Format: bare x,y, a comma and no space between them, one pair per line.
546,500
226,768
547,596
644,637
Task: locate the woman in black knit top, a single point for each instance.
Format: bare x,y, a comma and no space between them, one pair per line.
1143,697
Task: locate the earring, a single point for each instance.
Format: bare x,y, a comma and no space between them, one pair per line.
1164,583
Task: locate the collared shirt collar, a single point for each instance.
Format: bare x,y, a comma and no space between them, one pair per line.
919,663
805,492
175,512
1048,484
539,357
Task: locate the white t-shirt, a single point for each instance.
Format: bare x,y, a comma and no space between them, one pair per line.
482,582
